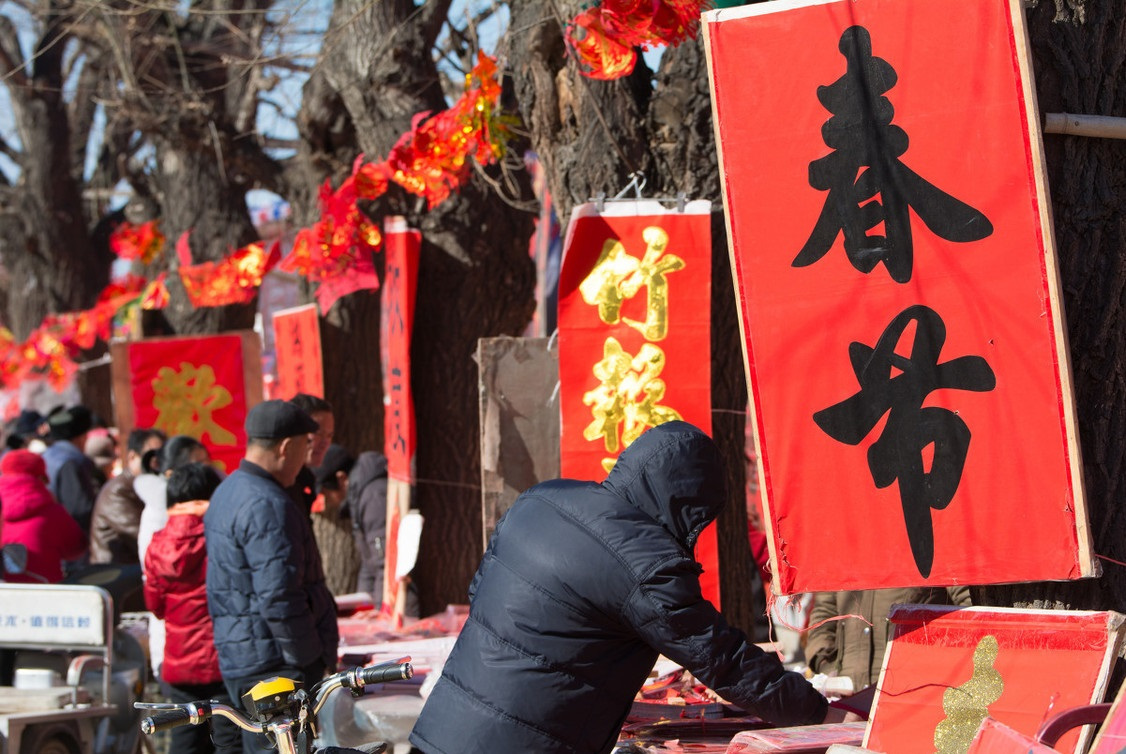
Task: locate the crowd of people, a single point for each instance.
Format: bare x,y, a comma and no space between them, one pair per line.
582,585
233,572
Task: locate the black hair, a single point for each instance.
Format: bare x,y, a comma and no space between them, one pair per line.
193,481
178,452
311,404
140,436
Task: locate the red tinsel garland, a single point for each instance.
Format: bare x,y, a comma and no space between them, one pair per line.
602,38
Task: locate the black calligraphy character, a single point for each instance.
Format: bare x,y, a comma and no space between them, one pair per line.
898,452
866,142
398,441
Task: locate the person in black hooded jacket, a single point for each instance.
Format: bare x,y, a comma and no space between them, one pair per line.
581,587
367,505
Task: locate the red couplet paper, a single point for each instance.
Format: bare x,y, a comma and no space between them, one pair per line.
297,346
400,283
634,335
193,386
946,669
896,275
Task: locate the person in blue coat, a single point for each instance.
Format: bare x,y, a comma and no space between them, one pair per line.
582,586
272,612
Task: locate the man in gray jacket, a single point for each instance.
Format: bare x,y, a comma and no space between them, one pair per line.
266,592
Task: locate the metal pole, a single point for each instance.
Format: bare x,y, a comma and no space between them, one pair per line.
1098,126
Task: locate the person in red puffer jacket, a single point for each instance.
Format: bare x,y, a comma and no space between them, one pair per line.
175,590
34,518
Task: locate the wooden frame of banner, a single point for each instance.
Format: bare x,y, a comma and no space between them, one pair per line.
1087,563
119,373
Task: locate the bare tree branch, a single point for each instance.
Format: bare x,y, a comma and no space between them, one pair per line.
11,59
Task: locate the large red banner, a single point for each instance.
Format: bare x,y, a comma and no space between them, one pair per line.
297,348
901,316
634,335
400,283
196,387
946,669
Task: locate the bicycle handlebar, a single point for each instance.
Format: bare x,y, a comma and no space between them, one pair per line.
168,716
360,677
165,720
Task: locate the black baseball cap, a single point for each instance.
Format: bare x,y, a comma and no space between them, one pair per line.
277,420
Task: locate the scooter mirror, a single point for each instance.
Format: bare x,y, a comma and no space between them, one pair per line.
14,557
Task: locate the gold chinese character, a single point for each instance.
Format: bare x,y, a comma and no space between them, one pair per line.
618,276
967,705
185,401
628,397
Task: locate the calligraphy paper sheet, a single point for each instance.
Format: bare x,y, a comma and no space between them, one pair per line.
634,335
900,307
946,669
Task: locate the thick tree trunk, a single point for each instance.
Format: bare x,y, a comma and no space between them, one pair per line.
1079,50
52,263
475,280
590,136
197,194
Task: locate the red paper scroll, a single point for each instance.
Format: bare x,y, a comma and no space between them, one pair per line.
946,669
899,294
634,335
201,387
400,282
297,345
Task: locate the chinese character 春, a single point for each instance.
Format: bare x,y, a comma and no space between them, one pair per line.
897,385
628,396
185,401
618,276
865,164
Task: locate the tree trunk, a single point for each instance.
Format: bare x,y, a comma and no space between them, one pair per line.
590,136
52,264
1079,51
475,280
197,195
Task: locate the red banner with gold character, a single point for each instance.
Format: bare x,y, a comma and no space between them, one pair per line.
896,274
400,283
297,349
946,669
200,387
634,335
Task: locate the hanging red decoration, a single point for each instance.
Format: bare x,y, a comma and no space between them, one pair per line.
603,38
234,280
140,242
430,159
155,294
344,233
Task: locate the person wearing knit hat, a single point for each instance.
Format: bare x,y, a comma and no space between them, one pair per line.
33,518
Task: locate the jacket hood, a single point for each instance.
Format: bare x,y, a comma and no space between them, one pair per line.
673,473
369,466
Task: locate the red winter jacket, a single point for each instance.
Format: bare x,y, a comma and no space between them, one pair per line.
176,590
33,518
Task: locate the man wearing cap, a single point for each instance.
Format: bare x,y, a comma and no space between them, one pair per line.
273,614
69,471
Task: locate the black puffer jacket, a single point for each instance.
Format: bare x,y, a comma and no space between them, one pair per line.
581,587
265,585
